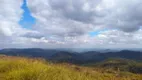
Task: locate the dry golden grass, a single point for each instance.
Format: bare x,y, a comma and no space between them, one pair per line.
19,68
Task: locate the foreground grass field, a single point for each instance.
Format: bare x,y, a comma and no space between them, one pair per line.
19,68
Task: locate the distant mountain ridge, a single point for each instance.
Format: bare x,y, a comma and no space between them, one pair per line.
73,57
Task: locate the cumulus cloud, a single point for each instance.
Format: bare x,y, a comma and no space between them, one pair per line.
67,23
63,18
122,14
9,16
73,18
119,39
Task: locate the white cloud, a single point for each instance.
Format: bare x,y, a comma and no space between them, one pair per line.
67,23
73,18
119,39
10,14
122,14
63,18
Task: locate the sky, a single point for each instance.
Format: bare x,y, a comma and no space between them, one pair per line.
27,21
70,24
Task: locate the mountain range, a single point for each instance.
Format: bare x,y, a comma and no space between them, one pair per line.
56,55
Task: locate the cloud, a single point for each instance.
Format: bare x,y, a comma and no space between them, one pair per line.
75,18
122,14
119,39
63,18
67,23
80,10
10,30
9,16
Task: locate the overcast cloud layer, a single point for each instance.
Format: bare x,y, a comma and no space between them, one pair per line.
67,24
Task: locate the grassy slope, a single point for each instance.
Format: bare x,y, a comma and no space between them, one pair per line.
18,68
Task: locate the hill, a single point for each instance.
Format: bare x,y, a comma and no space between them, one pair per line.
20,68
119,64
73,57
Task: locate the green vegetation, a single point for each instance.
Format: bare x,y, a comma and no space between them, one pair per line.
119,64
19,68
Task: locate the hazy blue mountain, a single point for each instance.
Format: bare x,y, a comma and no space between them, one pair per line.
58,55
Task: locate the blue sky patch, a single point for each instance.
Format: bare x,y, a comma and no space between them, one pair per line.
95,33
27,20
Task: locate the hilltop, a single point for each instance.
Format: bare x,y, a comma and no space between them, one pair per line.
20,68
